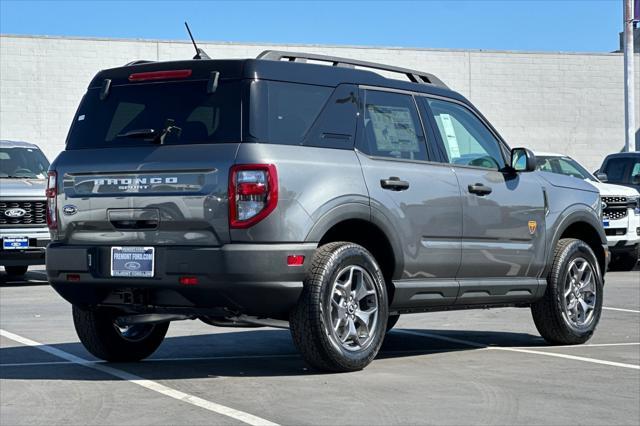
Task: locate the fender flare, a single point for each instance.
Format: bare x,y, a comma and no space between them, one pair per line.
359,211
571,215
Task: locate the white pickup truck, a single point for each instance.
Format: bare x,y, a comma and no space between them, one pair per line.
23,225
620,209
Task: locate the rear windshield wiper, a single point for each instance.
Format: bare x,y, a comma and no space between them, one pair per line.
157,136
138,134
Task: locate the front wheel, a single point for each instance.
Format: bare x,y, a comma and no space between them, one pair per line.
101,336
340,320
569,311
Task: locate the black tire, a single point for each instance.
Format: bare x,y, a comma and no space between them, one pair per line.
625,261
549,312
16,271
309,319
392,321
101,337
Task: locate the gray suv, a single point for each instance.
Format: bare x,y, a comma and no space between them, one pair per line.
327,199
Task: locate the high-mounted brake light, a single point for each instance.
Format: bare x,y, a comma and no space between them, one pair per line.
160,75
52,204
253,193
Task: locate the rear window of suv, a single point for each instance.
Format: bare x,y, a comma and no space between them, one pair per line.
134,114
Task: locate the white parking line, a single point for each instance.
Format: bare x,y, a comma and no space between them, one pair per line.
527,351
148,384
621,310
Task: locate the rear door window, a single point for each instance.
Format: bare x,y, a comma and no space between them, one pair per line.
392,126
133,114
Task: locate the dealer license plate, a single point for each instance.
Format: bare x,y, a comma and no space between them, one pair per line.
132,262
15,243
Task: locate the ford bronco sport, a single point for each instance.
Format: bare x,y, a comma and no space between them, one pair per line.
327,199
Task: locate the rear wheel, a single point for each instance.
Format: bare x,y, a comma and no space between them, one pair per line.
570,309
101,336
16,271
340,320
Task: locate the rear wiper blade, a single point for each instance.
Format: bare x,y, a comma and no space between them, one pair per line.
138,134
157,136
168,129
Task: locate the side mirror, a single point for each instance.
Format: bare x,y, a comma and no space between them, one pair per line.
523,160
602,177
635,180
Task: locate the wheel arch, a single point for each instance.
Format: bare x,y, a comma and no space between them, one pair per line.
357,225
582,225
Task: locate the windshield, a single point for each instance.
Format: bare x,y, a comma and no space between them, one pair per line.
137,114
563,166
23,163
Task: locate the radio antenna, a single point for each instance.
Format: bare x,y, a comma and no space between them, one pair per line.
200,54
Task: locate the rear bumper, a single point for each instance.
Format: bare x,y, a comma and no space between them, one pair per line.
252,279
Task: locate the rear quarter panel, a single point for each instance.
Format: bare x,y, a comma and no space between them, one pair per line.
312,182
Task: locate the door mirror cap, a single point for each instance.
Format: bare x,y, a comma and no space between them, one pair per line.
602,177
635,180
523,160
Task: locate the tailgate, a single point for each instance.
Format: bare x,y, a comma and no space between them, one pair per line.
153,195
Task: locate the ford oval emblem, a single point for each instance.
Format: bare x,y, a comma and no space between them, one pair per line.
132,266
15,213
69,210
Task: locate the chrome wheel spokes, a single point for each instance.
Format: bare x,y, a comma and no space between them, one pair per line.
579,293
354,308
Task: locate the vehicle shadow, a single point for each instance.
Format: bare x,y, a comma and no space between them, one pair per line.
253,353
31,278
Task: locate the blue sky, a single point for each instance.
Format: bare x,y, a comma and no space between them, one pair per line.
546,25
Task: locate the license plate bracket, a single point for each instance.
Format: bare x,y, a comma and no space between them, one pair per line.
132,262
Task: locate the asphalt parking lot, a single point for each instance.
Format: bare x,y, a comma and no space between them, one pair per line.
481,367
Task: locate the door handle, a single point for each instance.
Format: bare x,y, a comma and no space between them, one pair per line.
479,189
394,184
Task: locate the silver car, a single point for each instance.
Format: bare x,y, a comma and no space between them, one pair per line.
23,223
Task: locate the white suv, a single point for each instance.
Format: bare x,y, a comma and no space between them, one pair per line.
23,225
620,209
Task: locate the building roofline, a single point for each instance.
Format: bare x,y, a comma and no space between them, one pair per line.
300,45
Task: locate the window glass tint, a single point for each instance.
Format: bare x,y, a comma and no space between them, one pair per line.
292,109
622,169
336,125
467,141
23,163
134,114
392,127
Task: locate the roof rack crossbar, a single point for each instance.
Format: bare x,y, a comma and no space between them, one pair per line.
412,75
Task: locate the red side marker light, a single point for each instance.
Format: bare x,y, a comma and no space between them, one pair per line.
295,260
160,75
188,280
73,277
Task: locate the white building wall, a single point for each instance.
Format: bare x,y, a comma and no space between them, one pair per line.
571,103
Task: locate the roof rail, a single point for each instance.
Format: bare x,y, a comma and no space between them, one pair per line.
138,62
412,75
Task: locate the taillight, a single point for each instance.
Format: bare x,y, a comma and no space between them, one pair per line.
52,203
253,193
